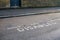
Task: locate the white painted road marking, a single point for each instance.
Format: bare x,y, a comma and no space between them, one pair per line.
34,26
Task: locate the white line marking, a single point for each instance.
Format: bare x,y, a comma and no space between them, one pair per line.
20,30
12,28
26,28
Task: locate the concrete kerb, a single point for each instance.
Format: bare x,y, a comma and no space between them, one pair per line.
27,14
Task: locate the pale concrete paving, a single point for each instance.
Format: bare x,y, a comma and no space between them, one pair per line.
51,32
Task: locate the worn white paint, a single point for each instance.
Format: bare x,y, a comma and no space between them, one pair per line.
12,28
34,26
20,30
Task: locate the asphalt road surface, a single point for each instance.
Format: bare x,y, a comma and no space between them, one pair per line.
34,27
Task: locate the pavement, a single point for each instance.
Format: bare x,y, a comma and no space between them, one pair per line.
34,27
27,11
